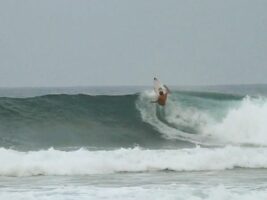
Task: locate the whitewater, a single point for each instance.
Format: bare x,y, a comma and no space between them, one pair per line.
75,143
84,162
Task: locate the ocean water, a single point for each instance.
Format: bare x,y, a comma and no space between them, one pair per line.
112,143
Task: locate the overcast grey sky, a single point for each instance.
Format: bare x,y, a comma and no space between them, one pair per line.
128,42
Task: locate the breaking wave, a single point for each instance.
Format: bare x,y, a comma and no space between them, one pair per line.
210,120
85,162
131,120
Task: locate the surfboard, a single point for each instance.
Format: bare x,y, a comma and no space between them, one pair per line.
158,86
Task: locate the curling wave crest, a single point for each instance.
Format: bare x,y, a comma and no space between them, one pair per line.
207,119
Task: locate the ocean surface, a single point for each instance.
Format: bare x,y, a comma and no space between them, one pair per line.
208,142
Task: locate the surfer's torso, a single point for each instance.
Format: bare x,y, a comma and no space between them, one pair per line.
161,91
162,99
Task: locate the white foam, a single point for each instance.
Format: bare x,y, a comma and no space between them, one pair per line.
173,115
245,124
160,192
82,162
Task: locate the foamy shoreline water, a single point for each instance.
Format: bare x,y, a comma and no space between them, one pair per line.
235,184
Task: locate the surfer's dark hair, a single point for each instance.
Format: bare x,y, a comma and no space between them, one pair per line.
161,93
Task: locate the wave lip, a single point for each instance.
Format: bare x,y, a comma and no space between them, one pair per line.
84,162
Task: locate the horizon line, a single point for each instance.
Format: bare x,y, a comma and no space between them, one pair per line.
99,86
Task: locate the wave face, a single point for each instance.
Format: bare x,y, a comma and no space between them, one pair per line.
128,120
73,120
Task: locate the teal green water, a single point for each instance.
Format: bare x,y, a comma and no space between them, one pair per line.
112,143
101,121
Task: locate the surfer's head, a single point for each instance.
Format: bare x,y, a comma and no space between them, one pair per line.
161,91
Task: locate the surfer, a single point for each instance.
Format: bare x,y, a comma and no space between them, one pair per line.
162,97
